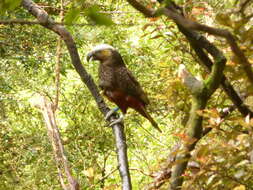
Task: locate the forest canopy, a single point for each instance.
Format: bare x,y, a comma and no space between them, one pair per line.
193,59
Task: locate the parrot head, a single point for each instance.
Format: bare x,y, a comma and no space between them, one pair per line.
106,54
101,53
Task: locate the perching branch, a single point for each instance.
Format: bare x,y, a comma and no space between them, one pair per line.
118,129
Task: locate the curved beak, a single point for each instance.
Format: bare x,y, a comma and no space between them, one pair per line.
90,56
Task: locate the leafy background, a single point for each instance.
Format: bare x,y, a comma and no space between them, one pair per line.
153,50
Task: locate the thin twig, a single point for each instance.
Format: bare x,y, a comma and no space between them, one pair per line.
26,22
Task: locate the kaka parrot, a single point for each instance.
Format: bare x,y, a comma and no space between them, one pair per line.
118,83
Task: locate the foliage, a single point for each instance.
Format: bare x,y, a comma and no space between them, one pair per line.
153,49
6,5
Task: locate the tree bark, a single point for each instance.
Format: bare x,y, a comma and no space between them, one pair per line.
201,92
64,170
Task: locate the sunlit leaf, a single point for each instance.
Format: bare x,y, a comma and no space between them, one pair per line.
209,113
153,19
8,5
223,19
240,187
98,18
89,172
72,15
198,11
202,151
12,4
186,138
146,26
247,35
112,187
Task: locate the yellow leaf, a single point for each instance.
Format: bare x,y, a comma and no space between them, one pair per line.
230,63
186,138
112,187
89,172
223,19
240,187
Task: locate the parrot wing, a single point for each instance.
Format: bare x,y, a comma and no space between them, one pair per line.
133,88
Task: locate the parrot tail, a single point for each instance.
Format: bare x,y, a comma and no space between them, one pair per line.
152,121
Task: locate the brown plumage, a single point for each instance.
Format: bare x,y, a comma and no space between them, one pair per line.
118,83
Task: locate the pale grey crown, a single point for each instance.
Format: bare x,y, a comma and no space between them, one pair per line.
102,47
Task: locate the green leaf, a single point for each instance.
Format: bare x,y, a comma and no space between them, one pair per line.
223,19
6,5
12,4
97,17
72,15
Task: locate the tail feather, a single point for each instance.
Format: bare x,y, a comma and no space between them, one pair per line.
152,121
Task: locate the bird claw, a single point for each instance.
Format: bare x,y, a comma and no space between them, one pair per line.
119,120
110,113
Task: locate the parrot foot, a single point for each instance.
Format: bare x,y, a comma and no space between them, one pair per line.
109,113
119,120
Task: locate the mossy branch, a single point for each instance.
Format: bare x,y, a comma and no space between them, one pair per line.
201,45
201,92
214,79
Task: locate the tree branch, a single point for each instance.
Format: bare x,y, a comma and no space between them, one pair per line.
58,62
243,5
200,95
27,22
172,13
198,42
148,12
118,129
165,173
47,110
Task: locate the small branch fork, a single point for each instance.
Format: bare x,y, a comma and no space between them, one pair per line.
63,167
200,44
171,11
118,129
201,92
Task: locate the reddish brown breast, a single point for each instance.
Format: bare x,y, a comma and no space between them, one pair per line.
123,100
118,97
